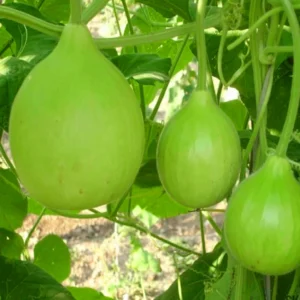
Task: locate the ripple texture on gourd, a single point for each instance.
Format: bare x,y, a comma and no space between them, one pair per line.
76,130
199,155
262,222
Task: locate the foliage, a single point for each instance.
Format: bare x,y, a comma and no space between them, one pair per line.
161,49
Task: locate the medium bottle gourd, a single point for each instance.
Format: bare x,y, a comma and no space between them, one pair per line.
262,221
76,129
199,154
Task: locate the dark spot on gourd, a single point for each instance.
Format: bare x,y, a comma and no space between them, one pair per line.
257,262
80,191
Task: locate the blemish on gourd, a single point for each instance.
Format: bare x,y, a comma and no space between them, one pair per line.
80,191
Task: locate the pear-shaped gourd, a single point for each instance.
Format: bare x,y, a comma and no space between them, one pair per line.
199,155
262,221
76,130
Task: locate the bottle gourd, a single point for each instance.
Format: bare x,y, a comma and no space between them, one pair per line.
262,221
76,129
199,154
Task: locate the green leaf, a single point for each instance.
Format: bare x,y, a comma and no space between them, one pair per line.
144,68
155,201
31,45
236,111
56,10
5,42
21,280
141,260
224,287
12,73
146,21
11,244
194,280
13,205
86,294
170,8
52,255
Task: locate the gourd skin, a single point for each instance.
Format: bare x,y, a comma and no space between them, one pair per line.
76,129
262,221
199,155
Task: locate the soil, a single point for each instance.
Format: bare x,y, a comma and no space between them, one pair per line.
100,252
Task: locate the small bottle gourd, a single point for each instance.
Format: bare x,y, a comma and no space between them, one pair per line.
199,154
262,221
76,129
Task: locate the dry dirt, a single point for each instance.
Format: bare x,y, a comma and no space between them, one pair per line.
100,252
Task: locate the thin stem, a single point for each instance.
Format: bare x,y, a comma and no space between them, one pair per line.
202,232
265,94
295,91
275,286
116,17
219,92
106,43
212,223
166,84
31,21
179,288
75,8
36,223
120,203
267,281
131,30
240,287
254,26
125,223
295,283
92,10
201,45
7,160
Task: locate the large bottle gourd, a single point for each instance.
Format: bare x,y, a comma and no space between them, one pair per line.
76,129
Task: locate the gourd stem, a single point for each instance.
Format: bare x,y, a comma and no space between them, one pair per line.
202,231
275,286
75,15
241,278
92,10
201,45
132,224
295,91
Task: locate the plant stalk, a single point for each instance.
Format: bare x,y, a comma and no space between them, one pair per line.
201,45
75,14
295,91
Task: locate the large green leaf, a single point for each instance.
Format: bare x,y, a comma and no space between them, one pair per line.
11,244
21,280
144,68
170,8
13,205
194,280
5,42
12,73
53,255
29,41
86,294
